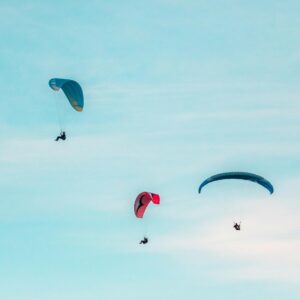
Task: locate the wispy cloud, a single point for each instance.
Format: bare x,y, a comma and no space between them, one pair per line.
266,248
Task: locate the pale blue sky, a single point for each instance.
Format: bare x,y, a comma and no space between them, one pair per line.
175,91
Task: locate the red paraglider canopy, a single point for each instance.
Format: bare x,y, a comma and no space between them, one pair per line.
142,201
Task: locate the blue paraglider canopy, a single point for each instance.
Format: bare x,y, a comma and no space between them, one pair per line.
239,175
72,90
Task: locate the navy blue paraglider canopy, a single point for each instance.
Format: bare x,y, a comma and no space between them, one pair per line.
239,175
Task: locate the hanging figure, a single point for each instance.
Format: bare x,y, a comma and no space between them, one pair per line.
62,136
144,241
237,226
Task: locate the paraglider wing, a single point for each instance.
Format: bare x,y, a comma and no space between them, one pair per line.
142,201
239,175
72,90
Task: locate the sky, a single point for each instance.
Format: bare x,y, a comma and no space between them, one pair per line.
175,91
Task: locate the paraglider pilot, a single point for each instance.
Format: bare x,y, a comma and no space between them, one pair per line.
237,226
144,241
62,136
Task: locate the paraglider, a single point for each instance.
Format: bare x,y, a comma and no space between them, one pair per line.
140,205
74,94
144,241
239,175
237,226
62,136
